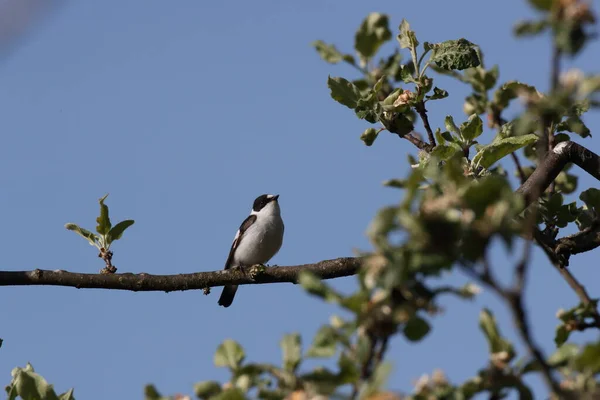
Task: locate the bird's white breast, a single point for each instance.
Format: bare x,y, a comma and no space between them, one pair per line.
261,241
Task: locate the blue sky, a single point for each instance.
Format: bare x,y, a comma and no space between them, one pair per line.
184,112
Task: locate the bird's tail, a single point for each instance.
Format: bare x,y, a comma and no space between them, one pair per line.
227,295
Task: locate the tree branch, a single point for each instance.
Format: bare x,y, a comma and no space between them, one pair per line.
420,108
554,162
326,269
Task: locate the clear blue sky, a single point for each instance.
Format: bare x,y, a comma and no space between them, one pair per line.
184,112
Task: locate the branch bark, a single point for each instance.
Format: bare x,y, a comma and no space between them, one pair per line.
554,162
326,269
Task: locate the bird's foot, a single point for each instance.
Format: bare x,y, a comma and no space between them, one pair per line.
256,270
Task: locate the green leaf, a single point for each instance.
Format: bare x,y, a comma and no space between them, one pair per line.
91,237
509,91
103,220
344,92
68,395
348,369
416,329
566,183
401,125
591,198
206,389
369,135
451,126
324,381
562,355
229,354
151,393
324,344
328,52
291,348
407,38
230,394
574,124
116,231
313,285
378,380
373,32
437,94
530,28
395,183
542,5
455,55
496,150
29,385
589,359
472,129
562,335
444,152
406,73
488,325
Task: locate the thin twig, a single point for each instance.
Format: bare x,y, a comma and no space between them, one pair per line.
578,288
522,175
420,108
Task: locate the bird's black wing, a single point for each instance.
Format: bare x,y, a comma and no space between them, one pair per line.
238,238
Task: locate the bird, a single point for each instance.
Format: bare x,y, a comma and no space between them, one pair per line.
257,240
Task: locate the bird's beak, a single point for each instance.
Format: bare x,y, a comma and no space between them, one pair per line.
275,197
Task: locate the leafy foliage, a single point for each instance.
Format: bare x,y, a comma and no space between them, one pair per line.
105,234
457,200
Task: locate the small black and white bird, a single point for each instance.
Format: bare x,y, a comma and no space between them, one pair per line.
259,238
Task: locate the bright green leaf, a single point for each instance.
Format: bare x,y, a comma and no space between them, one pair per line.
229,354
562,355
291,348
373,32
91,237
116,231
313,285
230,394
472,129
29,385
324,344
68,395
369,135
488,325
444,152
496,150
574,124
589,359
103,220
450,125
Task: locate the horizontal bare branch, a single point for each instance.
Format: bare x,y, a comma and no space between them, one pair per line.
326,269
